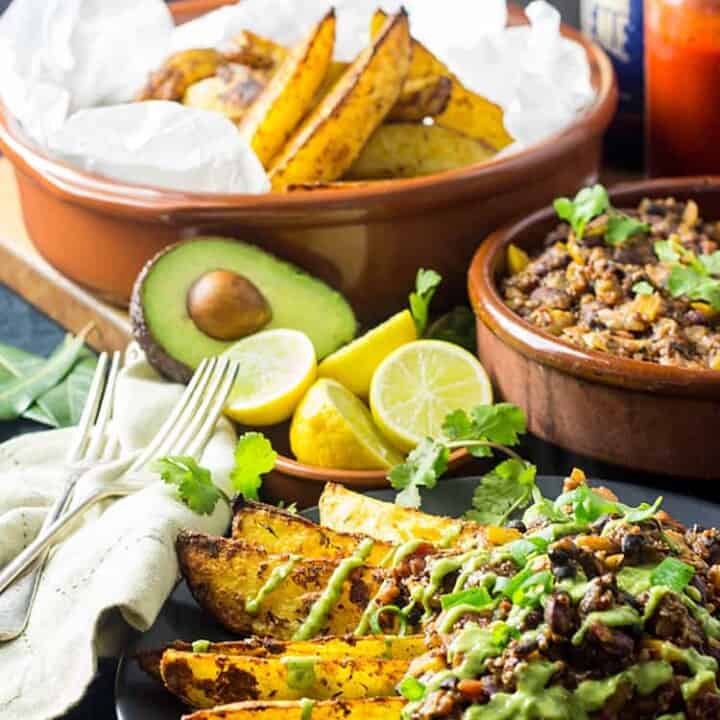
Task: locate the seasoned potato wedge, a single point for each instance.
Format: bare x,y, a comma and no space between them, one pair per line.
180,71
332,137
402,150
231,92
282,105
387,647
278,532
466,111
421,98
342,509
223,574
204,680
255,51
366,709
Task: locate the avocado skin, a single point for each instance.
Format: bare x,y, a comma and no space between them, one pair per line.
157,357
173,368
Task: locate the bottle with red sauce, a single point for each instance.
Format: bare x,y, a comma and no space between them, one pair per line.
682,86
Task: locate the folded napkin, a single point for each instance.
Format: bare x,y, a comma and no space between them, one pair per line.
113,572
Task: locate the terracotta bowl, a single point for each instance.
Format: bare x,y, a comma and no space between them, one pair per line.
292,481
368,242
638,414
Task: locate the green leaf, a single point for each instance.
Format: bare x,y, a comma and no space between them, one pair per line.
667,251
194,484
424,465
477,597
543,510
18,394
672,573
530,592
254,456
587,505
502,491
458,327
622,227
711,262
411,689
426,283
643,512
587,204
683,280
643,288
523,548
501,423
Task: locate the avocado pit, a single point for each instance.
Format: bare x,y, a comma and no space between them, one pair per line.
226,306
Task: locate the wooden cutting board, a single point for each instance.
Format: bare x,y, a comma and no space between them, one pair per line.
23,270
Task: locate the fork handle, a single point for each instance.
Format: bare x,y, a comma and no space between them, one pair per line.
45,539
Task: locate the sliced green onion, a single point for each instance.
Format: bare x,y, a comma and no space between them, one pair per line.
411,689
393,609
672,573
477,597
533,588
201,646
643,512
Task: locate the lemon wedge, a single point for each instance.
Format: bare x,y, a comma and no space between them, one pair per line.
333,428
354,365
276,367
416,387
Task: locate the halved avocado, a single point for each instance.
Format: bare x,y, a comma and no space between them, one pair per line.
209,282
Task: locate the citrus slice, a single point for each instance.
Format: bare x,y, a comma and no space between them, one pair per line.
276,367
416,387
354,365
333,428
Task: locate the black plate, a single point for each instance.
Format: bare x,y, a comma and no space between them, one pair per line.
138,697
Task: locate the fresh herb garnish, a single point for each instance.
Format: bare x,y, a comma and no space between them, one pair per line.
502,491
426,283
521,550
411,689
254,456
668,250
194,484
643,288
622,227
486,428
672,573
691,275
586,205
476,597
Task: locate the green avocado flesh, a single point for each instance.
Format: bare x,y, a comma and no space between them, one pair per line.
298,300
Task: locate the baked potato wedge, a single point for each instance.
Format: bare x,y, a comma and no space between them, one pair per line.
466,111
281,106
387,647
342,509
421,98
179,72
254,51
365,709
333,135
231,92
223,575
204,680
278,531
403,150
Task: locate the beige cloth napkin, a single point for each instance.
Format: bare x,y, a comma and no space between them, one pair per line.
114,571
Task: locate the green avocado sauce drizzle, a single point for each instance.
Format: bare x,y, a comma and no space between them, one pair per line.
276,578
319,611
300,671
306,708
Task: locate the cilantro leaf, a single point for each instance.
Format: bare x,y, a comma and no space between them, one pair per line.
622,227
426,283
587,505
194,484
254,456
643,288
672,573
667,251
694,284
424,465
587,204
500,423
711,262
502,491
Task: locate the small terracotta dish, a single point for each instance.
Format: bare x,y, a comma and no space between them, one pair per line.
292,481
366,241
637,414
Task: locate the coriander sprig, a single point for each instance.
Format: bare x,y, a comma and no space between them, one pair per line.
691,275
426,284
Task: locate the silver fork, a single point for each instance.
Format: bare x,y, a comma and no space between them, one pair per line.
90,447
186,432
